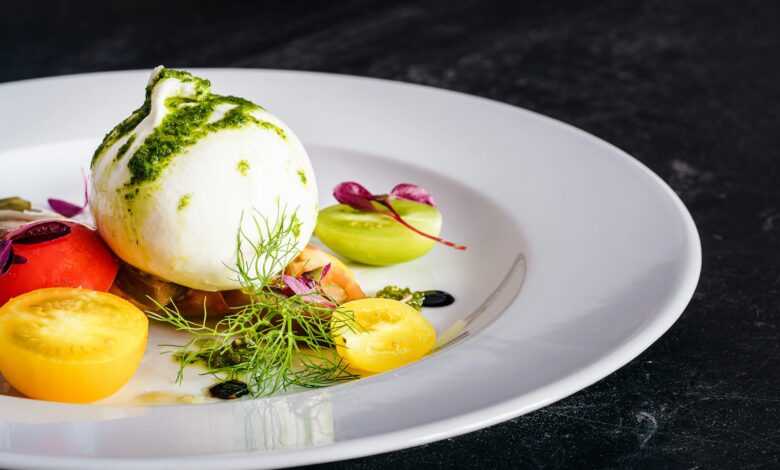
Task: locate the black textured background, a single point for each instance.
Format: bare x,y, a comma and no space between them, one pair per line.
691,88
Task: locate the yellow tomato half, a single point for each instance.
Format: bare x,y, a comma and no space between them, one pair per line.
70,345
376,335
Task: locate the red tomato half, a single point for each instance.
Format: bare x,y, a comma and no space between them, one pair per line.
78,259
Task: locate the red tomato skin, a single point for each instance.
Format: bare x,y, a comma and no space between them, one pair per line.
78,259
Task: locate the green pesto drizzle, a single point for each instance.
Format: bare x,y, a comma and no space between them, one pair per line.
243,167
135,118
125,147
187,122
302,176
184,201
273,127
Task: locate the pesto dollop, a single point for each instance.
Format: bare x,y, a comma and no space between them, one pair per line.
406,295
302,177
243,167
184,201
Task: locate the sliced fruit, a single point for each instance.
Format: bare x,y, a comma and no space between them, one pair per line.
70,345
376,239
377,335
78,259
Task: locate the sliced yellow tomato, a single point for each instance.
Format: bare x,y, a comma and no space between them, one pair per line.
70,345
377,335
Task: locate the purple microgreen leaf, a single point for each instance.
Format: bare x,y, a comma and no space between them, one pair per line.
65,208
412,192
325,271
306,290
299,286
354,195
39,232
360,198
68,209
6,256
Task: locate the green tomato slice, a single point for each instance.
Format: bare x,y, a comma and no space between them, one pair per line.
375,238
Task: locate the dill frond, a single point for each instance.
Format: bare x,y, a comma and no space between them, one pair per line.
273,343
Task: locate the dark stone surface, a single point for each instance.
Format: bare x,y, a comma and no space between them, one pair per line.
691,88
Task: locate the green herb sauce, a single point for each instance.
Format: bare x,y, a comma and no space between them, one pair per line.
187,122
406,295
243,167
184,201
135,118
125,147
302,176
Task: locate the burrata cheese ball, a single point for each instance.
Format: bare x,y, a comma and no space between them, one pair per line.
175,183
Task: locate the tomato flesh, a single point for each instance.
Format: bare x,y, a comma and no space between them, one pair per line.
78,259
376,335
70,345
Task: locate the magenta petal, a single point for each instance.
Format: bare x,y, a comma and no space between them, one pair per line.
68,209
86,188
305,288
412,192
325,271
299,286
6,256
354,195
65,208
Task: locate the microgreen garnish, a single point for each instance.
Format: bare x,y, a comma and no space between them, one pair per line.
306,289
36,232
39,232
68,209
325,270
358,197
11,258
279,339
354,195
412,192
6,256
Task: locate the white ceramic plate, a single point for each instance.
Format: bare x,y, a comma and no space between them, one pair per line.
579,258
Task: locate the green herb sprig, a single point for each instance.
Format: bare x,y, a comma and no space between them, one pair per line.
274,342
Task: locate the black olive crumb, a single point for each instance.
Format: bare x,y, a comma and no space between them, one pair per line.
437,298
229,390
